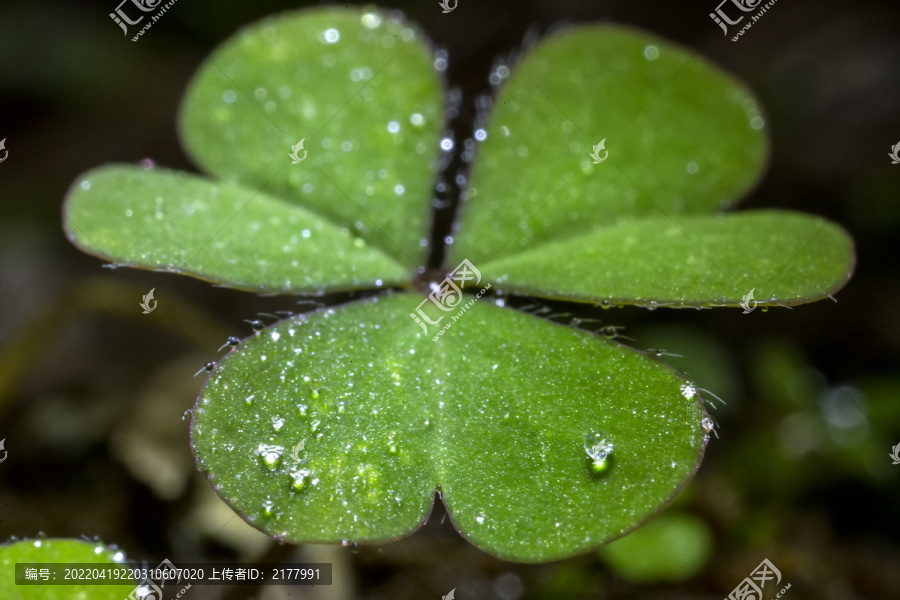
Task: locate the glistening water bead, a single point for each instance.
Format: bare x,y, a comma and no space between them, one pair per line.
270,455
301,477
598,450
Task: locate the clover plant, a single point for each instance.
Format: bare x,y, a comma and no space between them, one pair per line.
602,177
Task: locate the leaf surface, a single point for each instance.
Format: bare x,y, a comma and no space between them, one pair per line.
220,232
339,426
784,257
358,87
679,136
59,551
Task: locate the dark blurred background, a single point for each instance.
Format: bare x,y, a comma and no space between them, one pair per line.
92,391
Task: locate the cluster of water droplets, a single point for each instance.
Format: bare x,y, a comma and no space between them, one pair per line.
499,72
689,390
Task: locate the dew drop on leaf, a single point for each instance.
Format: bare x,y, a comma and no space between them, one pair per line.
301,479
598,450
270,455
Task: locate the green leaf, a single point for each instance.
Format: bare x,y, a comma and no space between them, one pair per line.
59,551
495,411
786,258
669,548
338,79
220,232
681,137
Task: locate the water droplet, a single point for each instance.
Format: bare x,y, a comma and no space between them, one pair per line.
302,409
371,20
268,508
605,304
393,126
85,185
186,414
330,36
707,424
392,443
301,479
249,399
440,60
651,52
209,367
148,163
232,341
354,548
652,305
609,331
446,146
256,324
270,455
314,426
498,75
480,135
598,450
277,423
480,519
688,389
